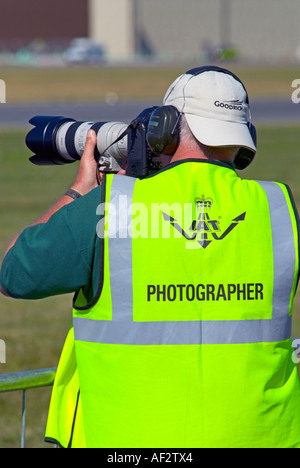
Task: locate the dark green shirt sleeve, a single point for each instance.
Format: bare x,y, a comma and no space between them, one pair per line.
57,257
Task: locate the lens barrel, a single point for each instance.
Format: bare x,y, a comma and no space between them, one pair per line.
61,140
41,140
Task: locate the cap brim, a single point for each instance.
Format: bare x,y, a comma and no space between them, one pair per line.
212,132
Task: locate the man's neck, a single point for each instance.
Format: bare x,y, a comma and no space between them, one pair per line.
182,154
190,153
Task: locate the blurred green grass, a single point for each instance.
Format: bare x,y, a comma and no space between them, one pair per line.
34,331
146,83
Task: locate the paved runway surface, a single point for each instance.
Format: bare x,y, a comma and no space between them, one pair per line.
18,115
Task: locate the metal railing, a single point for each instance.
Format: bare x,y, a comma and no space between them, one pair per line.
23,381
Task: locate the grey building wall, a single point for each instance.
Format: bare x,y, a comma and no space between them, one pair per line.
168,30
185,29
177,29
112,22
266,29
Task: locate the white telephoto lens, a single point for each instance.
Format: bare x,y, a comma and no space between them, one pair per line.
81,136
61,141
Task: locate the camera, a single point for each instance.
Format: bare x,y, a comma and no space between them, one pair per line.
61,140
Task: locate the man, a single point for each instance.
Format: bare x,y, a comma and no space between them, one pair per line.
184,288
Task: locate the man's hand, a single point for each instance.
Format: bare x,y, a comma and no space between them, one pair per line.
86,179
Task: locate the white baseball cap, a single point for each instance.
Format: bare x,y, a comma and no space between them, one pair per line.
215,105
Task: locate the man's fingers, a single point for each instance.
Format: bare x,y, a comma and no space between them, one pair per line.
92,136
90,144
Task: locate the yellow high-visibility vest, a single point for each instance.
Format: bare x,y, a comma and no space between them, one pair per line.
188,341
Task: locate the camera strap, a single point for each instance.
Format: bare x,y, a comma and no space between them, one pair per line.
120,137
141,119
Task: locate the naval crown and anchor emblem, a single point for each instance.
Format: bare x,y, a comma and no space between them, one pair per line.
204,229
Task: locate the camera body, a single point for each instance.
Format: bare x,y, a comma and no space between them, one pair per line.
61,140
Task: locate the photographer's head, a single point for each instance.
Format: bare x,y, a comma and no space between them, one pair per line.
215,106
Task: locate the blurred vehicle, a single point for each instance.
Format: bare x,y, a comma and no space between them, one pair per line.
84,52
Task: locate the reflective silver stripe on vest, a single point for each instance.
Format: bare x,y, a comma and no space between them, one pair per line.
120,248
283,248
123,330
182,333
